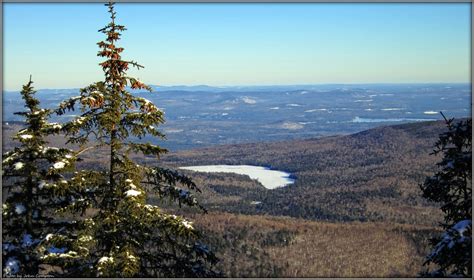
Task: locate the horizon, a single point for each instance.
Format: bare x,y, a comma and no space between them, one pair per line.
242,44
267,85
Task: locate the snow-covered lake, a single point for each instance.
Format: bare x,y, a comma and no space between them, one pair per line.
270,179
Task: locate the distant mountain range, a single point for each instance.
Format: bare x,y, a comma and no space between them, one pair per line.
315,87
199,116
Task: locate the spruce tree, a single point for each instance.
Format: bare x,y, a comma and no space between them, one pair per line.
128,237
35,189
451,186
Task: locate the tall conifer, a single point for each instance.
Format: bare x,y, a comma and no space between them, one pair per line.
36,189
451,186
128,237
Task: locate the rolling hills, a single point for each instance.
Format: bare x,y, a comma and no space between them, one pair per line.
368,176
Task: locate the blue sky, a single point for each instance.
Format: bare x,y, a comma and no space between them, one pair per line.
241,44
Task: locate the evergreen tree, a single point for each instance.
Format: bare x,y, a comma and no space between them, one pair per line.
128,237
452,187
35,189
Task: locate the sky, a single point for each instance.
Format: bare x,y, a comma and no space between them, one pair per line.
241,44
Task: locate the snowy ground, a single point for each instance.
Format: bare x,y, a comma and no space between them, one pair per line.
270,179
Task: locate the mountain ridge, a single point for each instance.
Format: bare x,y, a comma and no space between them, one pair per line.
205,87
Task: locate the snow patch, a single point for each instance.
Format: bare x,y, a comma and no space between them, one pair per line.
454,235
248,100
59,165
315,110
79,120
19,165
106,260
132,193
187,224
20,208
392,109
56,125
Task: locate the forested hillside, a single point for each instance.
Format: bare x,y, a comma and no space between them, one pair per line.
369,176
268,246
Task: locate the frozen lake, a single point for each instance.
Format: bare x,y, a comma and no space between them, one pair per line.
270,179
